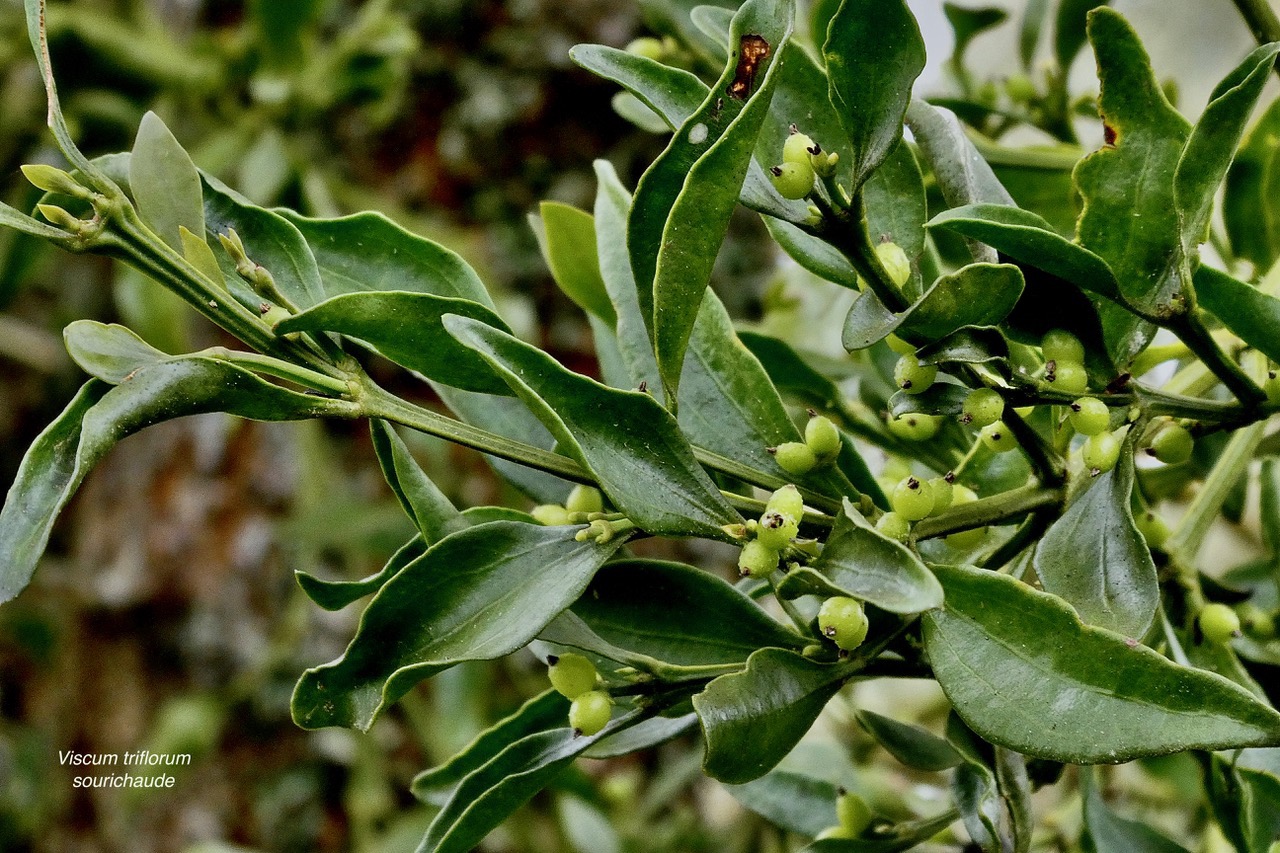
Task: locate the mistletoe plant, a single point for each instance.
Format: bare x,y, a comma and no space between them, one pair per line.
1011,549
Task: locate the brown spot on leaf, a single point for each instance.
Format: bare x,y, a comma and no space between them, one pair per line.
752,50
1109,134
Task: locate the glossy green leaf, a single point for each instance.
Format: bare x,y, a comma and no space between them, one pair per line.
752,719
684,200
367,251
99,416
632,445
974,790
913,745
335,595
645,734
1214,140
1069,29
164,182
1010,658
547,710
270,240
873,52
970,345
432,513
1252,220
1094,558
967,23
812,253
865,564
1130,219
678,614
11,217
790,373
108,352
1028,239
477,594
570,250
795,802
1104,830
896,205
406,328
1242,308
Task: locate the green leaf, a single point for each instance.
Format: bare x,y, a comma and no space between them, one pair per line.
969,23
406,328
1130,219
1033,18
547,710
108,352
165,184
790,373
672,93
477,594
1069,29
812,253
1028,239
1213,142
1010,658
684,200
874,52
632,445
570,249
645,734
896,205
1104,830
270,241
907,835
61,456
863,563
970,345
12,218
752,719
677,614
432,513
335,595
367,251
1094,558
1252,221
1242,308
795,802
913,745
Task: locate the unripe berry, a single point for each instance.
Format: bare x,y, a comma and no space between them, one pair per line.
965,539
792,180
795,458
1218,623
649,48
983,406
1090,416
1020,88
1272,387
853,812
1153,528
1062,346
552,515
1100,452
571,674
1067,377
997,437
757,559
1172,444
894,525
1256,622
776,530
787,501
943,492
842,620
584,499
590,712
912,499
915,426
912,376
822,436
797,148
895,262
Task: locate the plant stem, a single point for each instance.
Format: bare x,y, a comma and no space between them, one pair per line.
1203,511
283,369
1261,18
847,231
992,510
1191,330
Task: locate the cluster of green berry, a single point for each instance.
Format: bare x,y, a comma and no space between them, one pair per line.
1220,623
820,447
582,503
803,160
774,532
575,678
912,499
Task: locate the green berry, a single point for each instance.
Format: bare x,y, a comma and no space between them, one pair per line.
1020,88
590,712
552,515
584,499
915,426
912,376
1172,444
787,501
571,674
1100,453
912,499
895,262
757,559
842,620
795,458
1256,622
649,48
792,180
983,406
899,346
1062,346
1068,377
965,539
1090,416
1218,623
943,493
997,437
894,525
1153,528
777,530
853,812
822,436
1272,387
797,148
